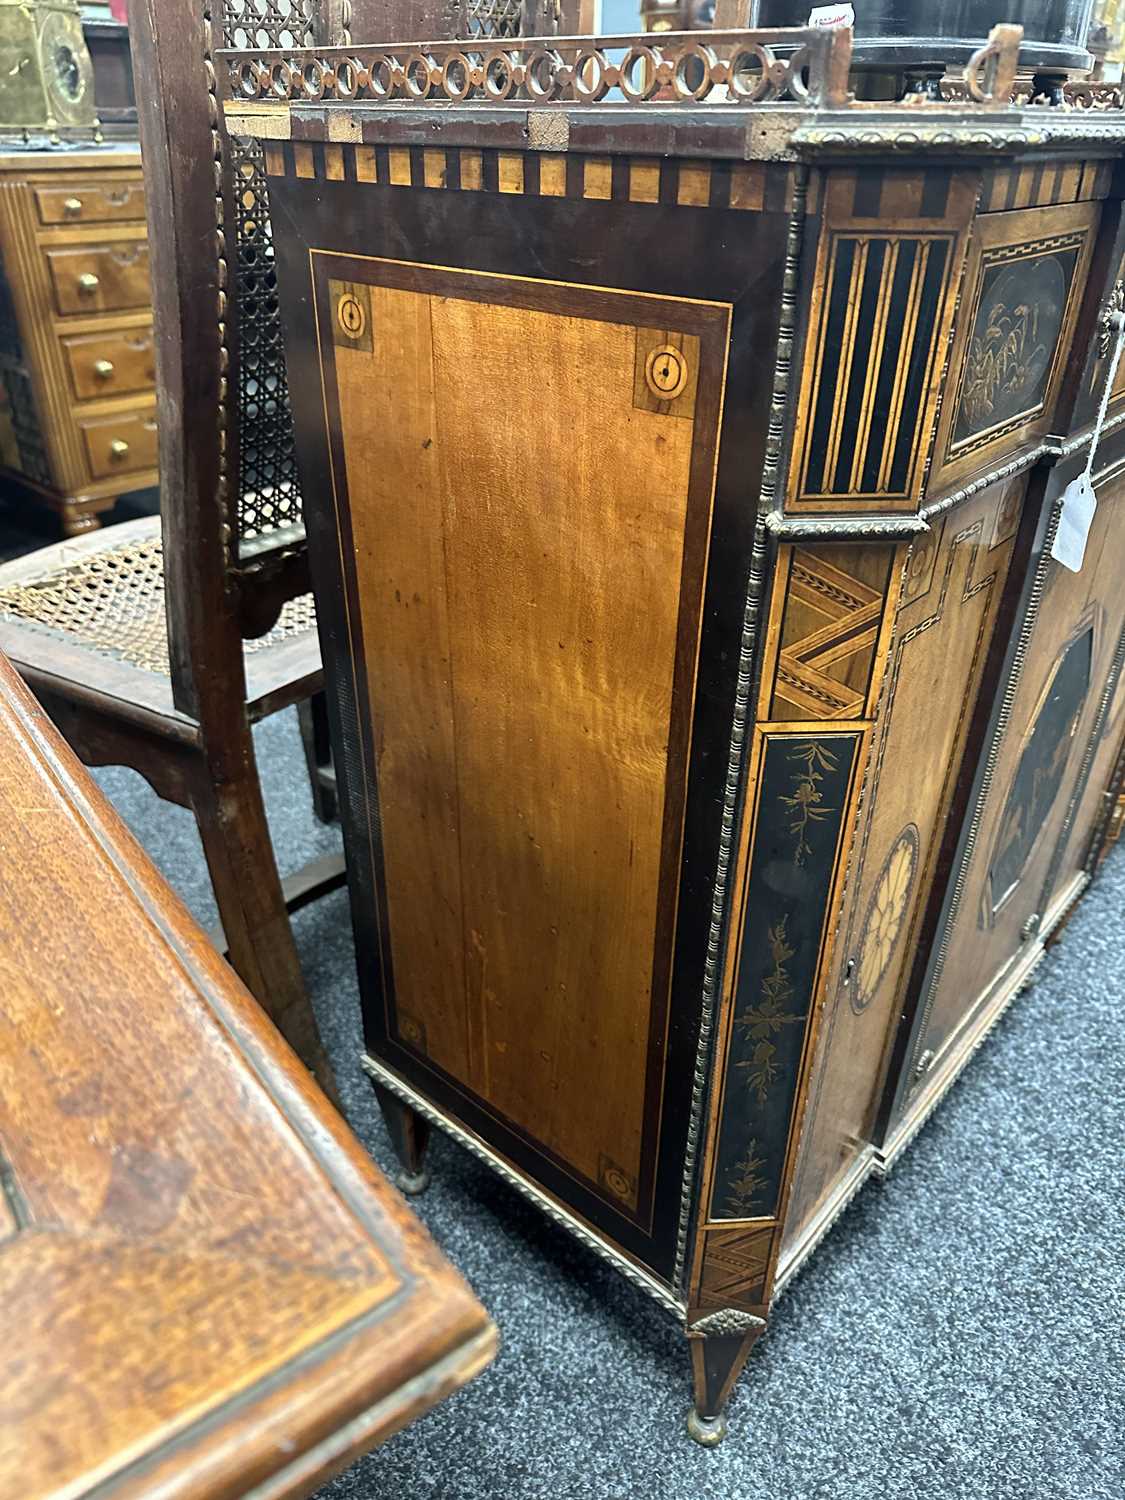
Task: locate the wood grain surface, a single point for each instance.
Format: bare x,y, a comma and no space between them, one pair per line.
992,926
952,588
519,565
205,1286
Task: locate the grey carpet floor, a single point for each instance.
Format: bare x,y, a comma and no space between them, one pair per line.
958,1335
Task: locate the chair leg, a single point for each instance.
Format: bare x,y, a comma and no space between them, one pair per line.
312,714
236,842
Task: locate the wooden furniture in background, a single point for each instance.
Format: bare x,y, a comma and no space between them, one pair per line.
682,475
159,645
77,400
206,1288
108,44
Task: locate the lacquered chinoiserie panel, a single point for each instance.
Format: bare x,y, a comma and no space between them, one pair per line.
1024,277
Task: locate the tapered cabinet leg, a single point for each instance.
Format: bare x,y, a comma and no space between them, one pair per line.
313,718
236,842
410,1135
717,1359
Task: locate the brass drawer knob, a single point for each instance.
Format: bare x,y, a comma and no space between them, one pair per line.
72,207
118,448
88,283
103,368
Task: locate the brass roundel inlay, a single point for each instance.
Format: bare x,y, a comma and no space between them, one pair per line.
617,1182
351,316
666,372
885,917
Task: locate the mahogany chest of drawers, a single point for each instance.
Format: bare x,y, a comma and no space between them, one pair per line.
719,742
77,384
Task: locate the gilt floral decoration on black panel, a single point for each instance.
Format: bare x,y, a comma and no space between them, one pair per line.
800,820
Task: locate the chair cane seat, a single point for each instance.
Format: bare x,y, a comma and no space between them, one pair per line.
103,596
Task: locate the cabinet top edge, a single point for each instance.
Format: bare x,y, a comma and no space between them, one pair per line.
782,132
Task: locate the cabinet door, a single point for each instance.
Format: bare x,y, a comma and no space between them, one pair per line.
1048,753
953,583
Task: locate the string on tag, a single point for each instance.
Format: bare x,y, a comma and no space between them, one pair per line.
1078,502
1116,321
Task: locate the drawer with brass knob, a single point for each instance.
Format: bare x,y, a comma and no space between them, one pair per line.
114,363
121,444
91,202
99,278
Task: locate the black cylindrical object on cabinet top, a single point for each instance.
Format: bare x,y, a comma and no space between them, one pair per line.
915,33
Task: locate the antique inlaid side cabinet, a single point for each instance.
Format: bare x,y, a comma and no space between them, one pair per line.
680,477
77,382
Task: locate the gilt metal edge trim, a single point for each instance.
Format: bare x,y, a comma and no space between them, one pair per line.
736,756
983,481
844,528
1074,444
554,1211
892,527
1019,130
1062,906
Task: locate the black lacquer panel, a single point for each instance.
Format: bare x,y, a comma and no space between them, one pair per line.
1042,765
801,815
1016,327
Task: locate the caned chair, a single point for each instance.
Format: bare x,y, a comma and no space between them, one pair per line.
159,643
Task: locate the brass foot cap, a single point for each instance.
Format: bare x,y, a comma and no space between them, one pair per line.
709,1431
413,1183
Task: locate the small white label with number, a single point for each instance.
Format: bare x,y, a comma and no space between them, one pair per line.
832,15
1078,506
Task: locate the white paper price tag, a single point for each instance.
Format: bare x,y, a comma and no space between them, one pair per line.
1078,506
832,15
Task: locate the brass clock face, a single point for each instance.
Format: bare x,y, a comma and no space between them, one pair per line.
666,372
885,916
65,64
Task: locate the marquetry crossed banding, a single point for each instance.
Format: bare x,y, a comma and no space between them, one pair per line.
734,1265
812,670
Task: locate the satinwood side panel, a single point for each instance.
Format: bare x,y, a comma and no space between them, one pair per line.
519,558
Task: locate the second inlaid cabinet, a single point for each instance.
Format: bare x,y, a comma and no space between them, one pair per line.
719,742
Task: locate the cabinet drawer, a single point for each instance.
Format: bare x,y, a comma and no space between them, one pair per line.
120,444
100,278
110,364
91,202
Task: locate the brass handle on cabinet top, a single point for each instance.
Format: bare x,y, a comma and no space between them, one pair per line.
118,448
72,207
88,282
103,368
